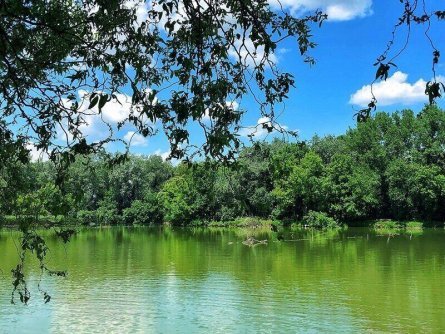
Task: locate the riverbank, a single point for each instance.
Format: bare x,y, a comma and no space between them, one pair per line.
242,222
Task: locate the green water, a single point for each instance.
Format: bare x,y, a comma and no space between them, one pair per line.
199,281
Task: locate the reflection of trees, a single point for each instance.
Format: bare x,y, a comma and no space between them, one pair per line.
376,280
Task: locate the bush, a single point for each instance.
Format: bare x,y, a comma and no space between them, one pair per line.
250,222
319,220
387,227
228,213
198,223
413,228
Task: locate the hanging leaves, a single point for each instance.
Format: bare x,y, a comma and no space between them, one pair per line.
383,70
412,13
434,90
198,60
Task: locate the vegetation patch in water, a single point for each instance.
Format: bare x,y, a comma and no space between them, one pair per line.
387,227
319,220
245,222
414,226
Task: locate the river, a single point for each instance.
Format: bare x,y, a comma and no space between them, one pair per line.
153,280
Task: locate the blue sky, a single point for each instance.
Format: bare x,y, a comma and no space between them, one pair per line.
328,93
347,48
345,54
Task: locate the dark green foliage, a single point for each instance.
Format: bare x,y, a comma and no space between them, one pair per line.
415,190
143,212
86,217
177,199
387,227
108,215
351,189
392,166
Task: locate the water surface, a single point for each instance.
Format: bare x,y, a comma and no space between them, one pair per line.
141,280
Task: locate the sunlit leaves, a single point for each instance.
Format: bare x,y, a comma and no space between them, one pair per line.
180,60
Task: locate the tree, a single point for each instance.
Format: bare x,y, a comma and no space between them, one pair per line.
302,189
415,191
253,181
326,147
177,200
143,212
352,190
431,136
62,62
12,157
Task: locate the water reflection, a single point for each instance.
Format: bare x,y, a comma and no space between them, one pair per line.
177,280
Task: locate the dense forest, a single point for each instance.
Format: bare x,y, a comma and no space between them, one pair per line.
392,166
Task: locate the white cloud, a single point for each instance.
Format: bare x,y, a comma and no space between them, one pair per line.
258,131
97,125
141,9
135,139
250,56
337,10
114,111
36,154
395,90
231,104
163,155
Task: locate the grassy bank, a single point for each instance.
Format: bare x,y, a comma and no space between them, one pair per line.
314,221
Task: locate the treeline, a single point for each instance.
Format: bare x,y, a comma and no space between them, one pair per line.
392,166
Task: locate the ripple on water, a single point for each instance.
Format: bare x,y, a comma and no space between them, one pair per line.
197,283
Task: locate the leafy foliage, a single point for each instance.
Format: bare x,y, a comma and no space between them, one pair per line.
186,63
319,220
143,212
63,61
392,166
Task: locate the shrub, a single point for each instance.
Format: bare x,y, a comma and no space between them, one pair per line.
198,223
228,213
250,222
319,220
387,227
